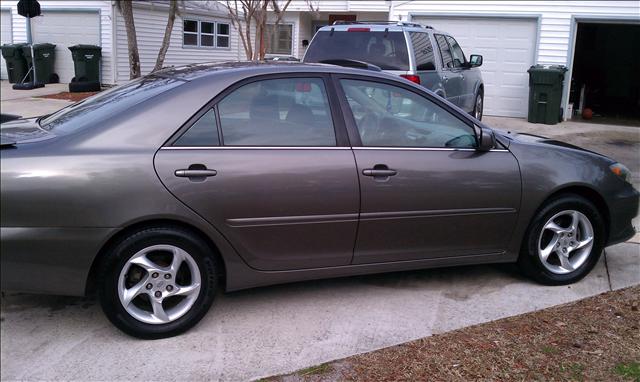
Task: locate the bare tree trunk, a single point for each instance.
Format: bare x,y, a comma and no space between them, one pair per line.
173,10
126,8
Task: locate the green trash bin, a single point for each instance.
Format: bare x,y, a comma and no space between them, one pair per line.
45,55
16,64
86,62
545,93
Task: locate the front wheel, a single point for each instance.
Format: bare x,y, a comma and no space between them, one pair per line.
478,106
563,242
157,283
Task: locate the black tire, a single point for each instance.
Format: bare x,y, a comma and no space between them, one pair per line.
118,257
475,113
530,263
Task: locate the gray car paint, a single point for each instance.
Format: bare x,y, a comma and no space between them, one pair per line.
67,198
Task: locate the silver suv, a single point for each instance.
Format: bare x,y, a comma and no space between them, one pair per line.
418,53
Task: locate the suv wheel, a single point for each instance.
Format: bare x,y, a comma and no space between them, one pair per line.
478,106
563,242
157,283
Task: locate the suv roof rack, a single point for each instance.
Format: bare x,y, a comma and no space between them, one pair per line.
352,64
398,23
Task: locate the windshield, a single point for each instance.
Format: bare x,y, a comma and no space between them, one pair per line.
106,104
388,50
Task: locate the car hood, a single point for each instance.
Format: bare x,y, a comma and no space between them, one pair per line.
23,131
543,141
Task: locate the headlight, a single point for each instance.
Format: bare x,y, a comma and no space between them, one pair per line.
621,171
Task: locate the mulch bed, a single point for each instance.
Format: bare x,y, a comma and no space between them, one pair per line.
67,96
595,339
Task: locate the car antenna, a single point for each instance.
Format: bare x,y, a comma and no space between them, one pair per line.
386,32
331,33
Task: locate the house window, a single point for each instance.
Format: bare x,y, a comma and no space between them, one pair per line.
280,39
206,34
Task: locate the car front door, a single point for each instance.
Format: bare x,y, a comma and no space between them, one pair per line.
450,75
426,192
467,79
267,165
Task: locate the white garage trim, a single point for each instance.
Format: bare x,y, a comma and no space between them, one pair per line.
92,11
585,18
4,74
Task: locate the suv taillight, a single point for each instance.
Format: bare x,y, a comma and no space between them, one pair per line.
411,78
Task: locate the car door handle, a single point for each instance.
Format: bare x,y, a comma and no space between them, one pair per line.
195,173
379,171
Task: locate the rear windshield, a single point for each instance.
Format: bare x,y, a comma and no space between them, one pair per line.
388,50
106,104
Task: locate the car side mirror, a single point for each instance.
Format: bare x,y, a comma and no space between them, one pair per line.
475,60
487,140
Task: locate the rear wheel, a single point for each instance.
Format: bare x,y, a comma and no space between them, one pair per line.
158,283
563,242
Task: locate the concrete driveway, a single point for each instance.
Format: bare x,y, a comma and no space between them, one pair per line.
261,332
27,103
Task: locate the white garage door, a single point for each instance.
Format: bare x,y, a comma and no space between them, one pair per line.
65,29
5,38
507,46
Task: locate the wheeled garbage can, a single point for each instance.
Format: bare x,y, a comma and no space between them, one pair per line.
45,55
16,63
86,63
545,93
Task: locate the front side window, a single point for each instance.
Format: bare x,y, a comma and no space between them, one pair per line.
280,39
457,54
445,51
278,112
206,34
425,59
391,116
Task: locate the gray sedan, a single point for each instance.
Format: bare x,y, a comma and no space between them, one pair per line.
157,192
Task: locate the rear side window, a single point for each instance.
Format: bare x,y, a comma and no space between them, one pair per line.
388,50
202,133
425,59
445,51
278,112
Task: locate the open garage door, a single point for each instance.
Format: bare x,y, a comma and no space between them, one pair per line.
64,29
508,47
5,38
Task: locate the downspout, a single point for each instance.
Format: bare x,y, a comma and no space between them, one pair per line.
114,45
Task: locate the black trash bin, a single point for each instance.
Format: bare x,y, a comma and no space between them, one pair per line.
545,93
86,63
45,55
16,63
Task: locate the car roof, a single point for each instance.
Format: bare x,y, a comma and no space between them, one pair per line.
381,26
244,69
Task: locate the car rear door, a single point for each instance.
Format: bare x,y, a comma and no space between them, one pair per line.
425,191
267,164
467,80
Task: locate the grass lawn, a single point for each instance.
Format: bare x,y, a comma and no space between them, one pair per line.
595,339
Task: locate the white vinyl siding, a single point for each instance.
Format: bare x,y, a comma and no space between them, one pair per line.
151,23
555,17
5,37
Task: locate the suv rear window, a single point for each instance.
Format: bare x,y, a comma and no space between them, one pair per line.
388,50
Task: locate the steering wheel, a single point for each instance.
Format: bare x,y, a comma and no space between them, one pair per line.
369,127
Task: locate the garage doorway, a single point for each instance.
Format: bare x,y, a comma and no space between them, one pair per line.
605,79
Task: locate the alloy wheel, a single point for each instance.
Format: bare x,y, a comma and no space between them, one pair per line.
159,284
478,108
565,242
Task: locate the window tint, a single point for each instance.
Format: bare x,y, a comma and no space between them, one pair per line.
456,52
425,59
386,50
390,116
445,52
280,112
202,133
